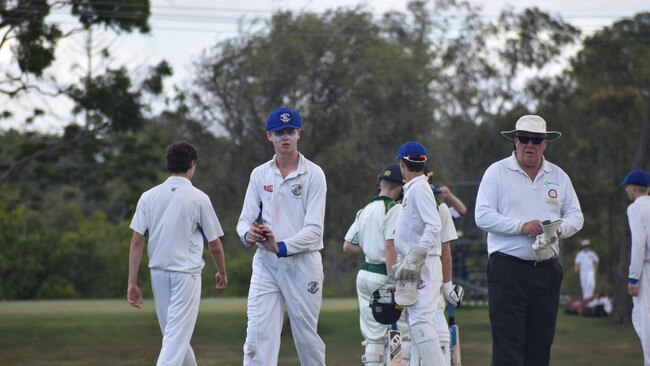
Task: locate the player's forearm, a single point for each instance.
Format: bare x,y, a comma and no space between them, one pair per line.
218,255
445,259
351,248
391,255
135,256
456,203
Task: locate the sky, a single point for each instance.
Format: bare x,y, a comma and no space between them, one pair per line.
182,29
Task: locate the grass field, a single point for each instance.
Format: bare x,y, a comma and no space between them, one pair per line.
110,332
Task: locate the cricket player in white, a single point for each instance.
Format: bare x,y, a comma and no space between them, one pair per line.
371,233
177,217
637,187
289,191
586,264
449,293
417,241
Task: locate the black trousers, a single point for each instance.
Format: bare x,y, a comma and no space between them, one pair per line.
523,297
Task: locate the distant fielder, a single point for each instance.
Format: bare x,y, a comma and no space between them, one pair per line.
176,217
586,264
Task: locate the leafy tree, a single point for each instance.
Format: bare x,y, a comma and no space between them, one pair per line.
603,106
364,86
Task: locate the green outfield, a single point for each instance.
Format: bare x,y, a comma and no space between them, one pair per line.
110,332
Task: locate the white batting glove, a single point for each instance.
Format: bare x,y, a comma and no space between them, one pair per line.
408,269
453,293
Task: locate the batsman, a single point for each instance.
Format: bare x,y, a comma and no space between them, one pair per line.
417,241
371,233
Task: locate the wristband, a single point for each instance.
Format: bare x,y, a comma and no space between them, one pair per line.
283,249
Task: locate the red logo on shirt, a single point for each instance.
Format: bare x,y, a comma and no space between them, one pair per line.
269,188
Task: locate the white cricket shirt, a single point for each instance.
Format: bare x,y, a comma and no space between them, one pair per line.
586,260
448,228
373,225
419,220
507,198
293,207
176,216
638,215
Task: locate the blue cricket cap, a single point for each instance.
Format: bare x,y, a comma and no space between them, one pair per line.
283,118
637,177
392,173
412,151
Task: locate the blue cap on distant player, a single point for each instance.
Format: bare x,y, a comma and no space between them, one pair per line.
637,177
412,151
283,118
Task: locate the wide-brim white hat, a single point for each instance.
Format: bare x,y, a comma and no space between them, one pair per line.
533,124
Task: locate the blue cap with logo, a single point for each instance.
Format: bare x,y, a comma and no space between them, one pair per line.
637,177
412,151
392,173
283,118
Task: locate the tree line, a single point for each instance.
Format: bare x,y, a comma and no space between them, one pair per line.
441,75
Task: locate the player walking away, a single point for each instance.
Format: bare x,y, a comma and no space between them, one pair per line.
417,241
516,195
372,234
176,217
637,187
289,190
586,264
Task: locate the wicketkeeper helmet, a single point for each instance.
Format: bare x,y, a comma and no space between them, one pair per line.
385,312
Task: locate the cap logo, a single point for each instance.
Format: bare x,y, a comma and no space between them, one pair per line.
285,117
387,173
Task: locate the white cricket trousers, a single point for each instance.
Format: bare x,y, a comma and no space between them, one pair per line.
176,296
425,345
641,311
588,283
297,283
373,332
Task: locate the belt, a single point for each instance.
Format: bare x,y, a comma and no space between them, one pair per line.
525,261
374,268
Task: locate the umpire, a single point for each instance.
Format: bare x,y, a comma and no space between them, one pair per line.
515,195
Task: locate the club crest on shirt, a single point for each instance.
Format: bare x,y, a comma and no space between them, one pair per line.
421,284
552,193
312,287
269,188
296,189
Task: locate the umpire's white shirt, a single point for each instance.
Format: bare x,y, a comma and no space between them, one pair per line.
373,225
294,207
507,198
419,220
176,216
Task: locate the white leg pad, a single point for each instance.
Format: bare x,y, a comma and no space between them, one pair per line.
375,351
426,346
406,351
